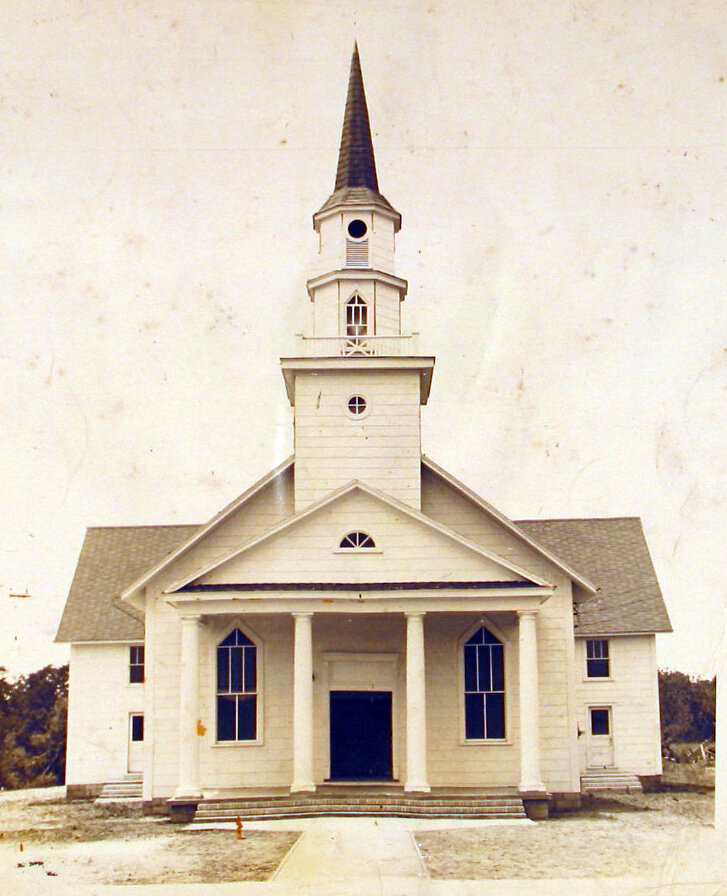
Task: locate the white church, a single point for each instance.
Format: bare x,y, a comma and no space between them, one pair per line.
359,631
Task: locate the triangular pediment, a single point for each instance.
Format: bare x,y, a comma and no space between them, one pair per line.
407,548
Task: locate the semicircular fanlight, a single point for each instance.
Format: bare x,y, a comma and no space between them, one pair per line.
357,540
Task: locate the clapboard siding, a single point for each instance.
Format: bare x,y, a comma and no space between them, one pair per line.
98,730
379,449
632,692
406,549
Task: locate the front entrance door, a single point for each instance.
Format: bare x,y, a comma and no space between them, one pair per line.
360,735
600,737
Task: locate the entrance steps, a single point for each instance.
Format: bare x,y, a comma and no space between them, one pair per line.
348,802
125,790
595,779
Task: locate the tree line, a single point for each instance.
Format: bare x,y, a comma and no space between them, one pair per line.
33,712
687,707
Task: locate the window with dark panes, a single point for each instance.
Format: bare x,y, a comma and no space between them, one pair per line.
600,721
597,661
136,663
137,728
484,687
236,688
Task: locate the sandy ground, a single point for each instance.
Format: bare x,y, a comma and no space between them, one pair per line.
666,835
614,835
43,836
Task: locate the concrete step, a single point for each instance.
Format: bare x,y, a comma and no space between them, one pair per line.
609,779
397,806
126,790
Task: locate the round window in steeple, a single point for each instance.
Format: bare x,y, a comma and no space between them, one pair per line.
357,229
356,405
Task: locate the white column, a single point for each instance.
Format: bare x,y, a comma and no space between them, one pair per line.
303,704
416,715
529,703
189,786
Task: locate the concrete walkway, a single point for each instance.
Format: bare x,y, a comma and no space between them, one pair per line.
378,857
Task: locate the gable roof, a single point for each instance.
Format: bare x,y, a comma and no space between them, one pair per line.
511,526
377,495
111,558
614,554
198,532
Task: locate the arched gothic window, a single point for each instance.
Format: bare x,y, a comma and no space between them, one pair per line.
484,686
357,317
357,540
236,688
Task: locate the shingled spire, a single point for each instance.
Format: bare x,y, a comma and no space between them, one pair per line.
356,163
356,180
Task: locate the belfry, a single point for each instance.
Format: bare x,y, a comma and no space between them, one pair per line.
359,618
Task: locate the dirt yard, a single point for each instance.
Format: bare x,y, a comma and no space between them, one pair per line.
614,835
42,835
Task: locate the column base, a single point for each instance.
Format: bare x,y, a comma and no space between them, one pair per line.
302,787
531,787
188,794
417,787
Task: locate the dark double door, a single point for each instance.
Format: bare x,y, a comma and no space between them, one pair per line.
360,735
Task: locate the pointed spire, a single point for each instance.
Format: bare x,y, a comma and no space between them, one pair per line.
356,163
356,181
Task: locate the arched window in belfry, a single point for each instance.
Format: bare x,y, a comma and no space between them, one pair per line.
357,317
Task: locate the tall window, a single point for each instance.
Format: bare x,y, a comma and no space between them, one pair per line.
484,687
136,663
357,317
236,688
597,662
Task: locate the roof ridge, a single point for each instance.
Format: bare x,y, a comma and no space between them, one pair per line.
578,519
145,526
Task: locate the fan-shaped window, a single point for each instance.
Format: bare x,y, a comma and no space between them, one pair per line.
357,317
236,688
484,686
357,540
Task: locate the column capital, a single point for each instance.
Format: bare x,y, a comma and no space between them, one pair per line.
413,614
303,614
529,613
197,619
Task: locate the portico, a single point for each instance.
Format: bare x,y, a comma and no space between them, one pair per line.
318,672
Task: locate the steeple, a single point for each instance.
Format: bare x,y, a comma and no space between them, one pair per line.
356,163
357,385
356,181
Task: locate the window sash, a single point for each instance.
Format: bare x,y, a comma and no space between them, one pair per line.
236,689
597,659
136,664
484,687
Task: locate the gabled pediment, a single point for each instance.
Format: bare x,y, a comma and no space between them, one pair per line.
407,548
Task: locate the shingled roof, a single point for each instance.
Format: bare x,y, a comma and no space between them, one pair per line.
613,554
111,558
356,180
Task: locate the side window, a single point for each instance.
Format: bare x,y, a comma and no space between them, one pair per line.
236,688
597,660
484,687
136,664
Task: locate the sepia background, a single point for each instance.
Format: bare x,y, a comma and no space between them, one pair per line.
560,168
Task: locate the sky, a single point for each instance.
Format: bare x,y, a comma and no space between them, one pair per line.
560,169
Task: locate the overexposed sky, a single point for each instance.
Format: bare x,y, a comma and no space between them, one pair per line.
561,171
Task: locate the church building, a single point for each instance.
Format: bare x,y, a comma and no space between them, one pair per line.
359,624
